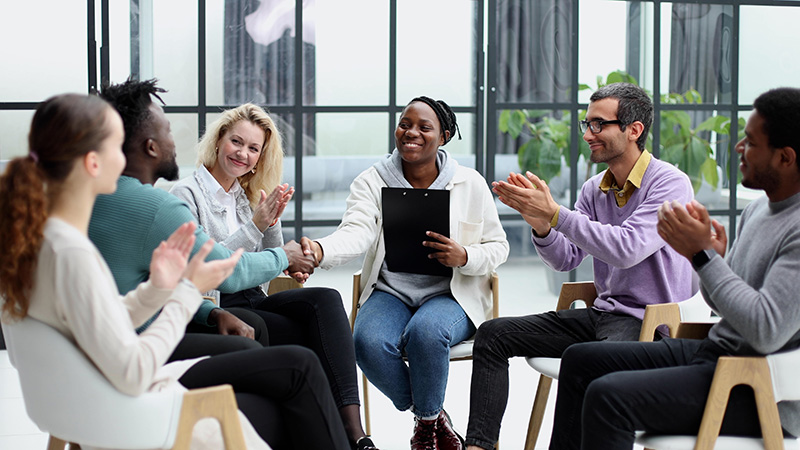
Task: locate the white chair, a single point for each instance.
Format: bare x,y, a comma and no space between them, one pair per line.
458,352
66,396
694,312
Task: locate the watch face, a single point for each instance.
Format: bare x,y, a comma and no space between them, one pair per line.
700,258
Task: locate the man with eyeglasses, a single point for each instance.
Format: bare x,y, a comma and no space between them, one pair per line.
615,221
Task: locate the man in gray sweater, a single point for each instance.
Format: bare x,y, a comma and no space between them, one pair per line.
608,390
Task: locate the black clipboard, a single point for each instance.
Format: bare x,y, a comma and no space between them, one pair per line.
407,215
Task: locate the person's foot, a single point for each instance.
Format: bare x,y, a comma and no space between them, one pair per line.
424,435
446,436
364,443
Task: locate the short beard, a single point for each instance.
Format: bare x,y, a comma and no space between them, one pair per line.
168,171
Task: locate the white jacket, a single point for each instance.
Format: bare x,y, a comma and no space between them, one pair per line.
474,223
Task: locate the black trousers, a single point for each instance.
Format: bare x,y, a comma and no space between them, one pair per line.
609,390
201,340
538,335
283,392
313,318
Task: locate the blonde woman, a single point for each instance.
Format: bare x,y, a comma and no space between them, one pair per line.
239,160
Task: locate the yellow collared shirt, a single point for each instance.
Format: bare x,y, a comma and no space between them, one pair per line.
634,181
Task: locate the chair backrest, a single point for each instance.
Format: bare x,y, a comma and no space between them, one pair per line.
66,396
578,291
783,369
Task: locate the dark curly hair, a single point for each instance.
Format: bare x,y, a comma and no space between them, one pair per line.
132,101
64,128
446,116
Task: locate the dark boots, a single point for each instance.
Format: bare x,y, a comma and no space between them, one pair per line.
437,434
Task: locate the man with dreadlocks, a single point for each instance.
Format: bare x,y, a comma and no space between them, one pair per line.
615,221
420,316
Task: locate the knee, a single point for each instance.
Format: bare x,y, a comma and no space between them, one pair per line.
577,358
602,394
489,336
237,343
368,343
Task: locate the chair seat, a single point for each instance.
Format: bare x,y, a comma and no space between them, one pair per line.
546,366
462,350
672,442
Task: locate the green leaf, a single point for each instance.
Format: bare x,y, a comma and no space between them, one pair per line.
709,171
718,124
672,154
549,161
517,120
502,122
583,87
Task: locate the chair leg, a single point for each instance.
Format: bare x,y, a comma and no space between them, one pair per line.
537,412
367,422
55,443
217,402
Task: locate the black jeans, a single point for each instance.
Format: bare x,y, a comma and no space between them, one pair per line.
313,318
202,340
539,335
282,391
609,390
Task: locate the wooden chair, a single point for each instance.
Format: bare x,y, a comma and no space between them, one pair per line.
773,378
668,314
458,352
66,396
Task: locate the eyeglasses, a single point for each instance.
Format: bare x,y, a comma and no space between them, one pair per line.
596,125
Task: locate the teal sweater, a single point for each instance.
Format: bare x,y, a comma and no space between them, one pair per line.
129,224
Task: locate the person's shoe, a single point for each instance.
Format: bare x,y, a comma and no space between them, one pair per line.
446,436
424,434
365,443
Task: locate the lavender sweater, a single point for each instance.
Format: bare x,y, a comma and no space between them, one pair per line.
633,266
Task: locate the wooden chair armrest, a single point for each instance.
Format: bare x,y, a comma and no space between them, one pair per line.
730,372
579,290
693,330
356,296
668,314
217,402
283,283
494,283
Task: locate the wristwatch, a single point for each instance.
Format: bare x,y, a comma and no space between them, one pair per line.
702,257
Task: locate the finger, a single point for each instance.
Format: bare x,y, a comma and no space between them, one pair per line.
701,211
525,181
263,197
437,236
537,182
249,332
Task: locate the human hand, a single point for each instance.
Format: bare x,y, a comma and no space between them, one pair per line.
449,252
312,248
207,275
687,233
298,260
170,257
530,196
719,239
271,206
228,324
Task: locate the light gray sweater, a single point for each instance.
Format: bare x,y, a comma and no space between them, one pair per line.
756,291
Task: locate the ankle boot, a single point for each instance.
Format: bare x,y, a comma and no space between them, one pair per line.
446,436
424,434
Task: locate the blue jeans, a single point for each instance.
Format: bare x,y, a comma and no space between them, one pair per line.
386,329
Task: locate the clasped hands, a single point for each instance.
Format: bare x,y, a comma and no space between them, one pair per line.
689,229
530,196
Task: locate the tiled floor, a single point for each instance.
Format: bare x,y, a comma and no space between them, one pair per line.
523,290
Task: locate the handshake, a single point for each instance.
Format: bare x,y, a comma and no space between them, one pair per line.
303,258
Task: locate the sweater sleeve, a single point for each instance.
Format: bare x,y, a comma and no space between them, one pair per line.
252,269
622,246
102,327
359,228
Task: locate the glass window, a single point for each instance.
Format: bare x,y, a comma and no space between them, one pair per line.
767,50
534,50
123,30
43,51
349,69
184,131
696,50
601,48
172,56
14,128
436,50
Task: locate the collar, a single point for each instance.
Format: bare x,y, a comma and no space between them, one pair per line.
205,177
635,177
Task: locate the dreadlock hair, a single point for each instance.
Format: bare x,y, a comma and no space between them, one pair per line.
446,116
64,129
268,169
132,101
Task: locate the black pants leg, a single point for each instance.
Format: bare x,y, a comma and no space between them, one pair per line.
538,335
609,390
283,393
201,340
314,318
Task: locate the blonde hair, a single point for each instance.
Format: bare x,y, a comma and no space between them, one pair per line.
268,169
